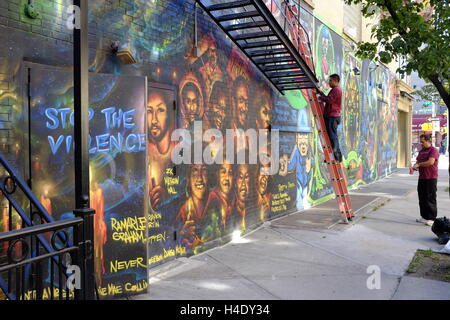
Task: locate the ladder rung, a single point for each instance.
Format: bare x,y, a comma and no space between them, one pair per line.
261,44
253,35
229,5
240,15
247,25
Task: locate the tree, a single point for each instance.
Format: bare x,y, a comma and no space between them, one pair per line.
429,93
417,31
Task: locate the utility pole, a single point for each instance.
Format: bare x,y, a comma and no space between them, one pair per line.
448,134
433,115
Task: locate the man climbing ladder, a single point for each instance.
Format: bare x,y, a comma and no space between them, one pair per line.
332,113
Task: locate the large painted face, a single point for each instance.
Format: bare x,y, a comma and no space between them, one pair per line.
218,110
191,101
199,180
264,115
157,117
241,104
303,143
225,178
242,182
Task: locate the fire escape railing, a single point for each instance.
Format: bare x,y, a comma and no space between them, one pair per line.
271,42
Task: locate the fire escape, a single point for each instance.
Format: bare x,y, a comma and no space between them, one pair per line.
279,47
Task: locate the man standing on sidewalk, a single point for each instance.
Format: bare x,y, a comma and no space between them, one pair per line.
332,113
427,165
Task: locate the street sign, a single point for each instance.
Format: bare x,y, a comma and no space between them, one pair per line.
427,127
436,126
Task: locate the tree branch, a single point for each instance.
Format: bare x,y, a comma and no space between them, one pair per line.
441,89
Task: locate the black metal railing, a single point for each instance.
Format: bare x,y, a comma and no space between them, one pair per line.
36,274
43,259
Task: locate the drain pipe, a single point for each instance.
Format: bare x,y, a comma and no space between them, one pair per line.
195,31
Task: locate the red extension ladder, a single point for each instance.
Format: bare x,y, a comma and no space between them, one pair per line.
336,169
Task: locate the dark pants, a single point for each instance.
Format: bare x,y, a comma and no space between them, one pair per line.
427,189
332,124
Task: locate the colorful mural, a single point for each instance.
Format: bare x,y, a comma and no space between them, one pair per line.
117,146
150,209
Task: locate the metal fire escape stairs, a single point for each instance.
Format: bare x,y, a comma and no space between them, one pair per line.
287,64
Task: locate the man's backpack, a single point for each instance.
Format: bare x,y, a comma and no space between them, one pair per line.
441,228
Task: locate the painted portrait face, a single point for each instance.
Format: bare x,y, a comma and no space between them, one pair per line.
242,182
225,177
263,181
191,102
157,117
46,191
303,143
219,105
325,45
241,103
199,180
264,118
212,55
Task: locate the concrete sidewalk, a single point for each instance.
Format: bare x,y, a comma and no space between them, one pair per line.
292,259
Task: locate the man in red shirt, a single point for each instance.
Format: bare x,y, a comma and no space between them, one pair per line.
332,113
427,165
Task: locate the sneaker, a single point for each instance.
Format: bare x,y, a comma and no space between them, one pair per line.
425,222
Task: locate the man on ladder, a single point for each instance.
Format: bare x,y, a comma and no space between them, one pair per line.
332,113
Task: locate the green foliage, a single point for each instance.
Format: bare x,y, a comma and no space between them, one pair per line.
429,93
411,30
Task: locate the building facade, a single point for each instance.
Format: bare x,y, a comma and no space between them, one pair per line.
157,67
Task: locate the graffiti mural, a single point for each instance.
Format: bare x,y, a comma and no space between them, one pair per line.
152,209
117,147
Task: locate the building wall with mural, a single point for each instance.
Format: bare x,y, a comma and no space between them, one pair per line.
150,208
